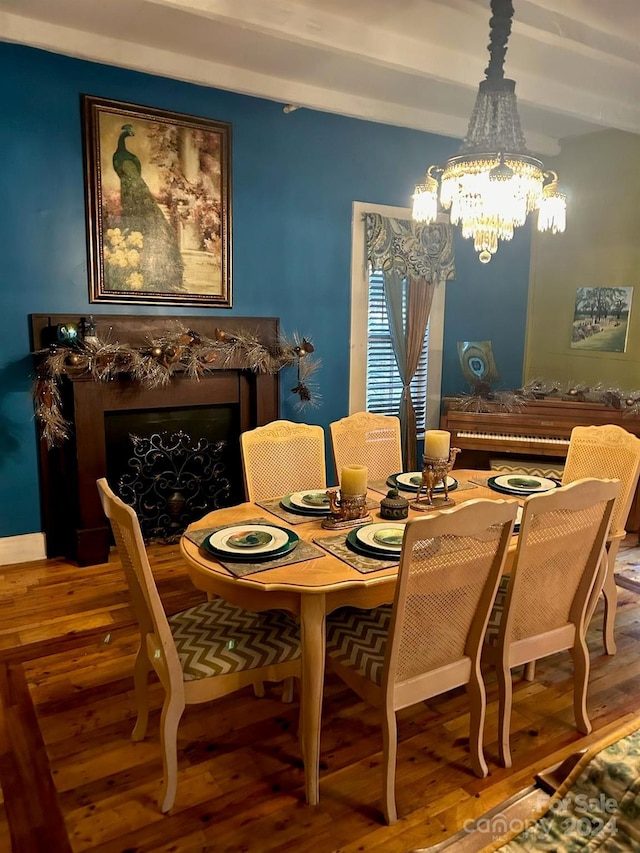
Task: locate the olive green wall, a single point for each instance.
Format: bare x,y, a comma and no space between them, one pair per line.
600,248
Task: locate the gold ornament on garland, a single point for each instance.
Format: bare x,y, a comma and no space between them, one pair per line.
182,351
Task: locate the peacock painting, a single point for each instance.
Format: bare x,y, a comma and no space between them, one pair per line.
160,263
159,205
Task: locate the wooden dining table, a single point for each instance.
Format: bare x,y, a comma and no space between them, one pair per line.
309,590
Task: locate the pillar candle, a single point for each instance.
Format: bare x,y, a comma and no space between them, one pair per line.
437,443
353,480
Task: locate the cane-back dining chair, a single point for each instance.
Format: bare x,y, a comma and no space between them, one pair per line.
281,457
202,653
608,452
367,439
541,607
430,640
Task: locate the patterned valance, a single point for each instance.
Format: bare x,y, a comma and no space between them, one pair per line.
411,249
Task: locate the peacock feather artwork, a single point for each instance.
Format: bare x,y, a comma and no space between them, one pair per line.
158,205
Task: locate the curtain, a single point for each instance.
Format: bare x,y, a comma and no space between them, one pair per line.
413,259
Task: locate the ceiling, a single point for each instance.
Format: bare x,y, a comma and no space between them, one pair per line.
412,63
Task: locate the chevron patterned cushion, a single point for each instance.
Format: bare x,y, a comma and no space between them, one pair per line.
357,638
217,638
493,628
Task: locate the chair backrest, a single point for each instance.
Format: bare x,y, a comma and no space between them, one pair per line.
282,457
560,547
447,581
606,452
367,439
154,628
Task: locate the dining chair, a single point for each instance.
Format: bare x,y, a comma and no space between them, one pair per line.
429,641
282,457
541,607
367,439
199,654
608,452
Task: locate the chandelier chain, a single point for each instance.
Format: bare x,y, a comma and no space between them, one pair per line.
499,32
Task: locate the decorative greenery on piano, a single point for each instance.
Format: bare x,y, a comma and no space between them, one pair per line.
541,389
178,351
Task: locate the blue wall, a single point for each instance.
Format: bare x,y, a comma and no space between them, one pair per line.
294,180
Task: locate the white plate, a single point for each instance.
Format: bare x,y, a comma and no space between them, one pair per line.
298,499
366,533
218,540
525,483
405,480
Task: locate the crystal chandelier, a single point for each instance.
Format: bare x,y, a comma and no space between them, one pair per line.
493,182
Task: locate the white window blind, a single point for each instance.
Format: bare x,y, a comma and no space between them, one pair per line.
384,386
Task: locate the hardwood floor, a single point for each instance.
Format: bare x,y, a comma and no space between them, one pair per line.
73,780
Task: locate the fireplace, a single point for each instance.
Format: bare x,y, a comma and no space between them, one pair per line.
221,404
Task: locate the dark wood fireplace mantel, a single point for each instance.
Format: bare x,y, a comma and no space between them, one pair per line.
73,521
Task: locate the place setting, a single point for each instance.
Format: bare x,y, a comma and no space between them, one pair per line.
303,506
521,485
252,546
298,507
368,547
410,481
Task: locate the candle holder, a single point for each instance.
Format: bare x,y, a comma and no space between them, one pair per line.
346,510
434,471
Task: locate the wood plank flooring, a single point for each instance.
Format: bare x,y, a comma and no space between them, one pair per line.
67,642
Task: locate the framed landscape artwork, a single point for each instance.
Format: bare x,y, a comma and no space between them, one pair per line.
601,318
158,205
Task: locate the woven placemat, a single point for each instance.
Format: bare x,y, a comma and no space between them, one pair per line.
383,487
338,546
302,552
480,481
273,506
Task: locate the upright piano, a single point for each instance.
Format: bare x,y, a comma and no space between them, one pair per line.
541,428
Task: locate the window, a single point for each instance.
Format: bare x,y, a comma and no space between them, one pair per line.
383,385
374,379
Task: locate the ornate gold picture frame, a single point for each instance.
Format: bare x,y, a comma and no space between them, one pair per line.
158,205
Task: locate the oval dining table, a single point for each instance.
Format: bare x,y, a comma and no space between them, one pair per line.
310,590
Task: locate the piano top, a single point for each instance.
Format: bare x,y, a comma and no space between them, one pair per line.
540,426
547,412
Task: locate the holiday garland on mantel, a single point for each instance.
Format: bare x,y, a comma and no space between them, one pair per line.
181,351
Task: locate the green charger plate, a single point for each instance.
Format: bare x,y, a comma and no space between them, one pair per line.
360,548
242,556
309,511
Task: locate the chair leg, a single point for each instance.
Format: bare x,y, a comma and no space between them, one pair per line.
606,583
141,687
287,689
530,671
505,697
171,714
478,703
581,664
610,593
390,754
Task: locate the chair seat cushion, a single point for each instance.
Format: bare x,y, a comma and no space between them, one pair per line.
358,638
217,638
493,628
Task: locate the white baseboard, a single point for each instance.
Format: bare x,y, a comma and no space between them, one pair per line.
22,549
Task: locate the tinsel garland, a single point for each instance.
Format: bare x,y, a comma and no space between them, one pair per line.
181,351
627,402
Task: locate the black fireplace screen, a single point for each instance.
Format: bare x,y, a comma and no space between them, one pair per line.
174,480
172,476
